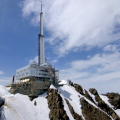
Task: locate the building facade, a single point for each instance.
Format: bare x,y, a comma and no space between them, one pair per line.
36,77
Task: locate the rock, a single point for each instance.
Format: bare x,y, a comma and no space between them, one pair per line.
93,91
32,96
35,103
72,84
102,105
2,101
79,89
55,104
91,113
114,99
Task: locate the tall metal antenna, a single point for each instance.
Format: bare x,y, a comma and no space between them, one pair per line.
41,6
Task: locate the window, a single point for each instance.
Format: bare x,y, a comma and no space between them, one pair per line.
27,73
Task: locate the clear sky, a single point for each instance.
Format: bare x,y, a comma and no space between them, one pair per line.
82,40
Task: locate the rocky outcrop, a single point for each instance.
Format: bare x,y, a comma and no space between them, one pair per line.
32,96
114,99
89,97
55,104
35,103
102,105
79,89
72,84
91,113
93,91
2,101
75,115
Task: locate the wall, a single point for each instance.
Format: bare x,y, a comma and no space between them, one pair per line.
29,88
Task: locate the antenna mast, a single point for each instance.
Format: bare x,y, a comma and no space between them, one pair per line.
41,51
41,6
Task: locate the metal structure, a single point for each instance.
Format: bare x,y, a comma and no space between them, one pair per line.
41,51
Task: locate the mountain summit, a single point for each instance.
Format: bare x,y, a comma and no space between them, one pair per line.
68,101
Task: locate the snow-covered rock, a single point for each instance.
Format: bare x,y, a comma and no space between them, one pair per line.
19,107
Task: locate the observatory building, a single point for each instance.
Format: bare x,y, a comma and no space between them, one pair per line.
42,71
36,77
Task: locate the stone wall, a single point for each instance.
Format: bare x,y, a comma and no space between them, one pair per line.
35,88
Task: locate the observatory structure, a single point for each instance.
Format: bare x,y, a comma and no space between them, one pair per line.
38,75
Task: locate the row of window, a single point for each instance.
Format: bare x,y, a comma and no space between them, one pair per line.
36,74
23,70
28,69
40,74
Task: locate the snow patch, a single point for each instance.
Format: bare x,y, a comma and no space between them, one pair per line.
52,87
63,82
93,97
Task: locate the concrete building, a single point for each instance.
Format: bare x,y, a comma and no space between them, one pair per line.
39,76
41,70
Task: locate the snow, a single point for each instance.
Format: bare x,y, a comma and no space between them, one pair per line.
93,97
19,107
105,99
118,112
63,82
4,91
66,108
52,87
71,95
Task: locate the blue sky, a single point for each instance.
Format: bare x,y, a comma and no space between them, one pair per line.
82,40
